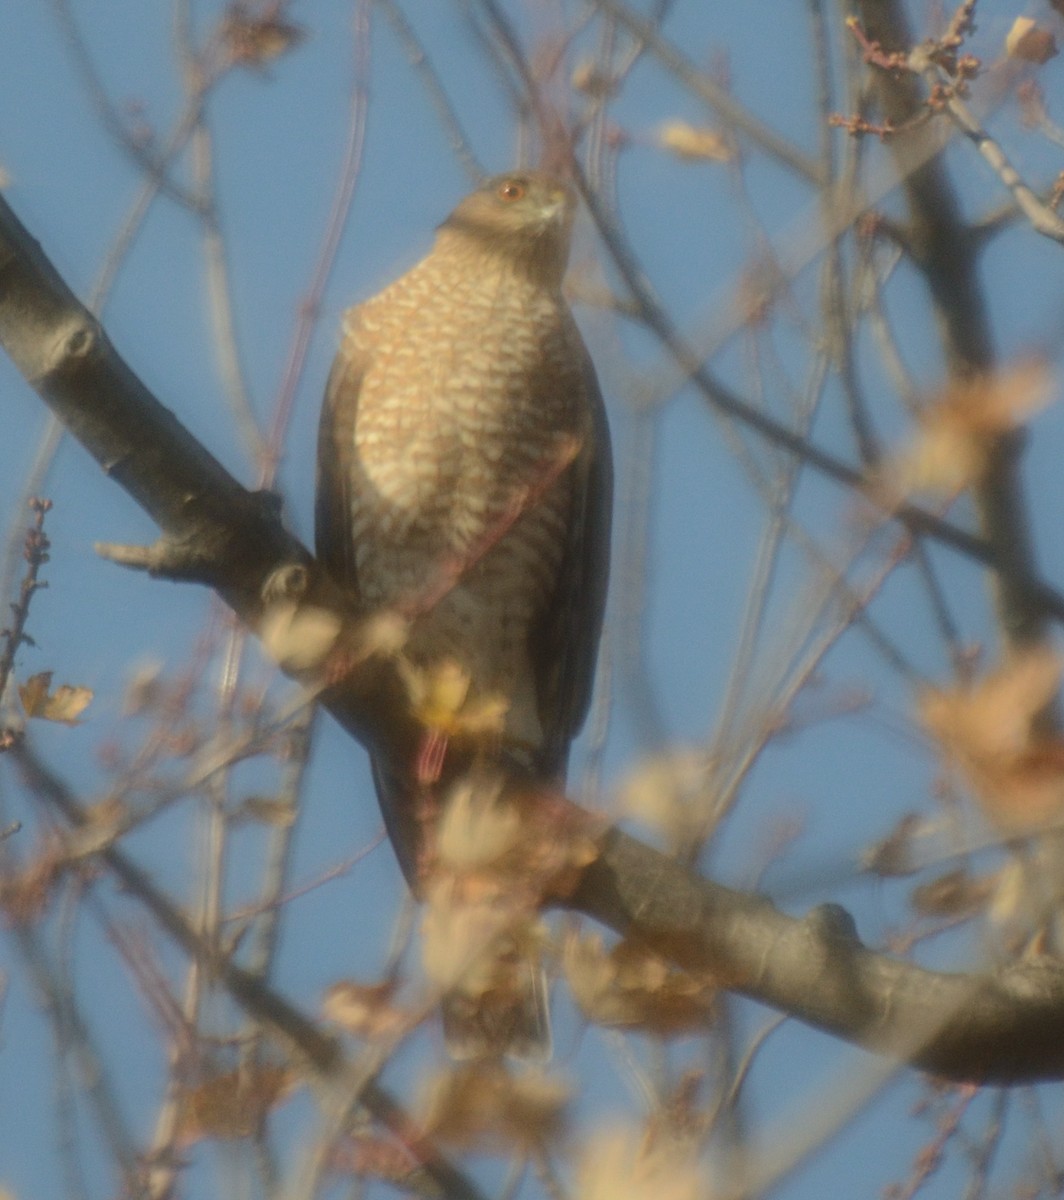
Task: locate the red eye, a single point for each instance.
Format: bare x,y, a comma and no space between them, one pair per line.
511,190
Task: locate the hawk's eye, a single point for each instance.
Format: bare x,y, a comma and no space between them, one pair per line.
511,190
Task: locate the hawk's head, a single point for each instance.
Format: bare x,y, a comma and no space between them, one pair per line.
525,215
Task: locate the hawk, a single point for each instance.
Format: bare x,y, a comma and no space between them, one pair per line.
464,475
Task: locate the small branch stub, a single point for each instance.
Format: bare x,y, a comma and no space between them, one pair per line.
76,340
182,561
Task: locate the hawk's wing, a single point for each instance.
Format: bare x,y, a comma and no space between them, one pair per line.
335,547
333,540
564,645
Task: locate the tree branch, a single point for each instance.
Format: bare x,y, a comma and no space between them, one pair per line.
945,249
321,1053
1002,1026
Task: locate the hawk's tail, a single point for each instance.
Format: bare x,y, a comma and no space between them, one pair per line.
513,1021
499,1006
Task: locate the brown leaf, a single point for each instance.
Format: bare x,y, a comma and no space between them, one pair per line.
253,41
481,1106
474,941
267,810
631,988
589,77
988,729
299,637
893,855
477,828
441,700
1030,42
669,792
64,705
694,143
145,690
954,894
24,895
366,1010
34,693
364,1154
959,428
628,1163
232,1104
67,703
990,718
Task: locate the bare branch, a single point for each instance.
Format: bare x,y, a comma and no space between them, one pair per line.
321,1053
1002,1026
736,116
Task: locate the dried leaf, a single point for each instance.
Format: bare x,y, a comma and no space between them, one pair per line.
365,1154
954,894
233,1104
991,717
520,847
267,810
365,1010
67,703
1010,905
145,690
892,855
477,828
34,693
693,143
1029,41
628,1163
669,793
64,705
474,943
482,1106
958,430
988,730
631,988
589,77
24,895
441,700
299,637
253,41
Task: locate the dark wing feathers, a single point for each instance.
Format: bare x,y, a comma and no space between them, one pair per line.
333,540
564,645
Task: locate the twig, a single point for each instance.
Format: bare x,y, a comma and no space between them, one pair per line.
310,308
728,109
321,1053
144,158
35,552
421,64
1042,218
1003,1026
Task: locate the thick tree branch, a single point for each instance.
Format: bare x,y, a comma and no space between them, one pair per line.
214,531
1002,1026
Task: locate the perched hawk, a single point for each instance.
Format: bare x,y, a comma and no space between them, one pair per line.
464,475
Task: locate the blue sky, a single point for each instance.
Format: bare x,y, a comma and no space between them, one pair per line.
278,139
